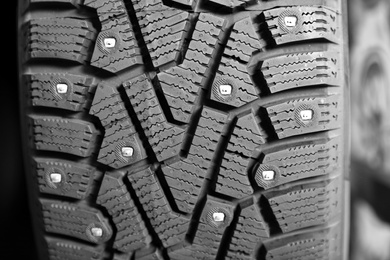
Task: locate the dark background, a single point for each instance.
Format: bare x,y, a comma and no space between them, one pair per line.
16,232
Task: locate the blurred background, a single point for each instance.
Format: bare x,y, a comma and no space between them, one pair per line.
369,29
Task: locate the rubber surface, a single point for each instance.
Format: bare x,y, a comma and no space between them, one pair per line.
186,129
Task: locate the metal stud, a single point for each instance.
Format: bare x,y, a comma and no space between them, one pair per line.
96,232
268,175
127,151
290,21
218,216
62,88
55,177
306,114
225,89
109,42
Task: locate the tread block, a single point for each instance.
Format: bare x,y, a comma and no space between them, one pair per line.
62,38
120,132
44,90
322,244
305,206
209,233
250,231
123,51
164,138
234,74
70,250
233,176
76,178
243,41
75,221
131,231
185,181
186,176
292,24
181,84
164,32
298,162
288,118
70,136
171,227
301,69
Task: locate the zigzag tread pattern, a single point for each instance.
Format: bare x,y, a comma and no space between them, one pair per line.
292,210
131,231
171,227
62,38
164,33
75,221
186,79
233,176
72,136
44,90
322,244
299,70
123,51
67,249
287,120
164,138
299,161
243,41
234,74
250,231
76,178
312,23
120,132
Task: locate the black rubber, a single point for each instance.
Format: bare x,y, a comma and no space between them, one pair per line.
207,129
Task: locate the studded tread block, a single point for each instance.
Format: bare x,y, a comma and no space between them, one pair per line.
207,239
171,227
124,52
181,84
70,136
67,249
120,132
165,138
75,221
234,74
288,118
292,24
131,231
233,175
75,182
60,90
298,161
62,38
300,70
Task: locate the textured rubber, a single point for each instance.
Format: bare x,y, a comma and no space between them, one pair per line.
198,129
